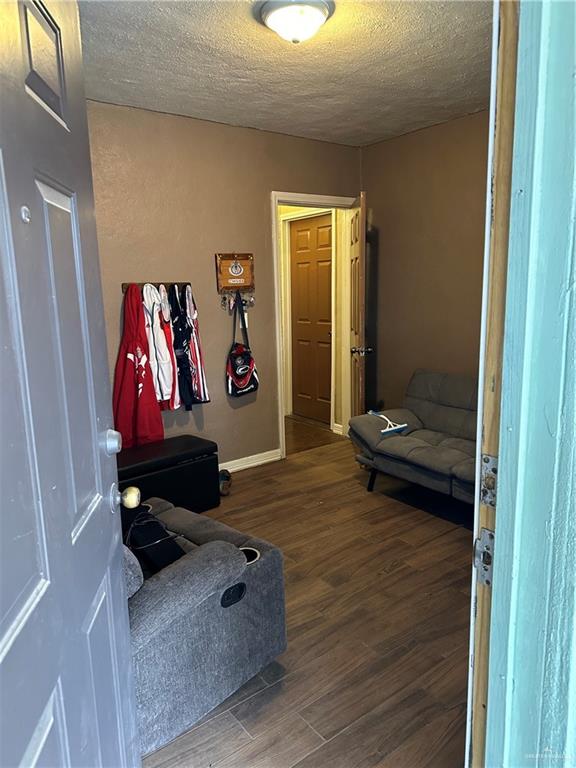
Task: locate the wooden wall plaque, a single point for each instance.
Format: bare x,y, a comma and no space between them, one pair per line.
235,272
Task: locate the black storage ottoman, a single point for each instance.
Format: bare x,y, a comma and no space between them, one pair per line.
182,470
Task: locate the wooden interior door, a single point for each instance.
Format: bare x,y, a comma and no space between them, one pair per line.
65,659
311,309
358,349
495,291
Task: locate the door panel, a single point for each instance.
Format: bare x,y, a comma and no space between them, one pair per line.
65,662
42,46
65,270
358,305
311,307
23,540
48,745
324,355
324,293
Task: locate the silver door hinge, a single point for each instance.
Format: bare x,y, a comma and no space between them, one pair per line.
488,480
484,556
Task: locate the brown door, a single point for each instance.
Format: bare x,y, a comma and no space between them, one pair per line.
358,350
311,305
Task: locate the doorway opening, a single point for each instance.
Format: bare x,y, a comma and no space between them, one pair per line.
311,236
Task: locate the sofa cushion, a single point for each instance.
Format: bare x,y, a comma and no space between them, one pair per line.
451,389
368,428
401,446
465,446
437,458
430,436
444,402
465,470
434,451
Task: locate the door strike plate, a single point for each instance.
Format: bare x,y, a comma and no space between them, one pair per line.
484,556
488,480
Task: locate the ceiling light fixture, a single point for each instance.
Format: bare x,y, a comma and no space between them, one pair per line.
296,20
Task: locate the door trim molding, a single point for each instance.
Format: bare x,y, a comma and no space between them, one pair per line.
237,465
300,199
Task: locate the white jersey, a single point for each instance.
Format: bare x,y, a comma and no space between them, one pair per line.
159,353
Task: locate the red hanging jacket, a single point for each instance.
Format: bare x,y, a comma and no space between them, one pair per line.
136,410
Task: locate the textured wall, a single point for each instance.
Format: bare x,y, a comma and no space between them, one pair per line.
427,194
171,192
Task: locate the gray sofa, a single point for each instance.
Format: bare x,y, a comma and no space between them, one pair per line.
190,653
438,448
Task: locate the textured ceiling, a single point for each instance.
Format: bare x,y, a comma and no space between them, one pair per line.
375,70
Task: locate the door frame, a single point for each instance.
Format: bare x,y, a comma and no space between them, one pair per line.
523,639
531,694
498,182
314,202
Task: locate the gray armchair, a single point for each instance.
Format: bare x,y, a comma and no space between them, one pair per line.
191,652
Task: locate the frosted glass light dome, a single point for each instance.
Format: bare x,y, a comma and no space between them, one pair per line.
295,21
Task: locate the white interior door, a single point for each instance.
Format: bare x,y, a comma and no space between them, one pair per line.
66,689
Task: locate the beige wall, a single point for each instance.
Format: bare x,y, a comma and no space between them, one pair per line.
426,191
171,192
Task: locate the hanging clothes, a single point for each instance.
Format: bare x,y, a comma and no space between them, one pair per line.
159,352
199,384
166,324
136,411
181,346
186,348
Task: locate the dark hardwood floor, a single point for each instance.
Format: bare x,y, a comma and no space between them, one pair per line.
304,434
377,595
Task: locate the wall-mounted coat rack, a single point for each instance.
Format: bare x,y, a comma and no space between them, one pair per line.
227,301
155,283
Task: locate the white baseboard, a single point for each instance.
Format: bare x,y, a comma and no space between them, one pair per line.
338,429
252,461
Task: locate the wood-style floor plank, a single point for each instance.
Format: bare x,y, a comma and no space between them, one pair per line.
377,598
279,747
440,743
382,731
370,685
202,746
292,693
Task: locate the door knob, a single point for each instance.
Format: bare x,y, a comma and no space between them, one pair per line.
130,497
362,351
111,442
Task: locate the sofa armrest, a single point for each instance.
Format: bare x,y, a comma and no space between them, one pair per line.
404,416
178,589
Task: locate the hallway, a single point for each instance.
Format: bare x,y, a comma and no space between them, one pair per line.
303,434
